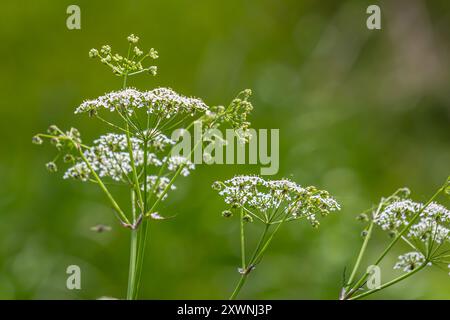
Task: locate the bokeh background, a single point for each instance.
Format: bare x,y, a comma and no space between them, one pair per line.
360,114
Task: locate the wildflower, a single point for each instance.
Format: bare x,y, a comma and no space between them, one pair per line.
163,102
176,162
158,189
410,261
265,196
431,224
110,158
272,202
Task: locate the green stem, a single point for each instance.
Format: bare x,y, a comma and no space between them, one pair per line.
137,185
119,211
239,286
242,240
257,256
390,283
260,242
133,254
134,243
361,254
143,232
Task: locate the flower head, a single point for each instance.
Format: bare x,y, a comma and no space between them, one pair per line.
132,38
163,102
431,224
428,228
276,198
410,261
158,186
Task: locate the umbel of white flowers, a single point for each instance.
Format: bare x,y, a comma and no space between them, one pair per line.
273,201
427,235
162,102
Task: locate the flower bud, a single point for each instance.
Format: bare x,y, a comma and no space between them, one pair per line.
227,214
132,38
153,70
247,218
93,53
69,158
54,141
51,166
37,140
138,51
105,49
153,54
52,129
216,186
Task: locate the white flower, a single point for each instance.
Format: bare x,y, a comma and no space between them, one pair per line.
157,139
410,261
79,171
396,214
175,162
158,190
163,102
266,197
428,229
110,157
431,224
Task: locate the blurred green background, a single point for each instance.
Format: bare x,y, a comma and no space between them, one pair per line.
360,114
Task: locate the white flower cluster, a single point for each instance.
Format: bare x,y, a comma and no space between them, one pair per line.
163,102
396,214
175,162
432,223
157,139
431,226
265,196
410,261
158,189
109,157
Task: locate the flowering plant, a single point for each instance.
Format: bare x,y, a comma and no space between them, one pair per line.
270,203
423,227
138,153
